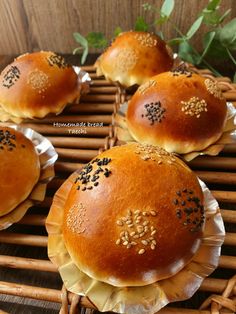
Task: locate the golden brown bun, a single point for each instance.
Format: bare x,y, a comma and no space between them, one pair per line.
133,58
140,222
19,170
37,84
179,112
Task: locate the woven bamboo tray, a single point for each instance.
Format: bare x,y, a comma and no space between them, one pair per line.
25,271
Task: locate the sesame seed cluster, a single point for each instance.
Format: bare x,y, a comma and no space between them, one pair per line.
155,153
146,40
7,140
126,59
11,76
143,88
154,112
188,208
137,231
38,80
89,177
76,217
56,60
213,88
194,106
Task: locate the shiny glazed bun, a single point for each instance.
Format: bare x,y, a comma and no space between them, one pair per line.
37,84
133,216
133,58
179,111
19,171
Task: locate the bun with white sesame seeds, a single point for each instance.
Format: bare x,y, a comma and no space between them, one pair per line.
179,111
133,216
19,171
134,57
37,84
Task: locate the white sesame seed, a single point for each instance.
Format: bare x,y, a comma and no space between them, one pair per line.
144,242
118,241
142,251
153,212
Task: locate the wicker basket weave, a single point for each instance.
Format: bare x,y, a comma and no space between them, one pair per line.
100,105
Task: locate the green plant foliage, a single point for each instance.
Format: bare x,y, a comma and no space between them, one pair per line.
219,42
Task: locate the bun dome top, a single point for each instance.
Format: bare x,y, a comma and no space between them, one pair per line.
133,216
179,111
134,57
19,171
36,84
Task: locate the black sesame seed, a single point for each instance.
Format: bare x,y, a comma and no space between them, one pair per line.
175,202
183,203
96,183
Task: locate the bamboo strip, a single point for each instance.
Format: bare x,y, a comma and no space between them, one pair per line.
215,285
53,295
230,239
38,293
88,68
78,142
210,162
103,90
229,215
230,148
98,98
34,220
23,239
227,262
217,177
100,82
78,154
90,108
27,263
67,167
230,95
105,119
225,196
50,129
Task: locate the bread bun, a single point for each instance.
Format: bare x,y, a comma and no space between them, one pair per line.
37,84
133,216
179,111
19,171
133,58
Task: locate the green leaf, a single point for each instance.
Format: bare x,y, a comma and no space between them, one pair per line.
227,35
208,39
216,50
141,25
160,34
187,53
80,39
84,55
117,31
167,7
212,18
213,5
222,18
96,40
175,41
78,50
194,28
161,20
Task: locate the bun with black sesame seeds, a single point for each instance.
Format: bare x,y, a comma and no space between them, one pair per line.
19,171
134,57
134,216
179,111
37,84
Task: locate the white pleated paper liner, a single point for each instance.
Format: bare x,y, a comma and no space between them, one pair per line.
47,158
